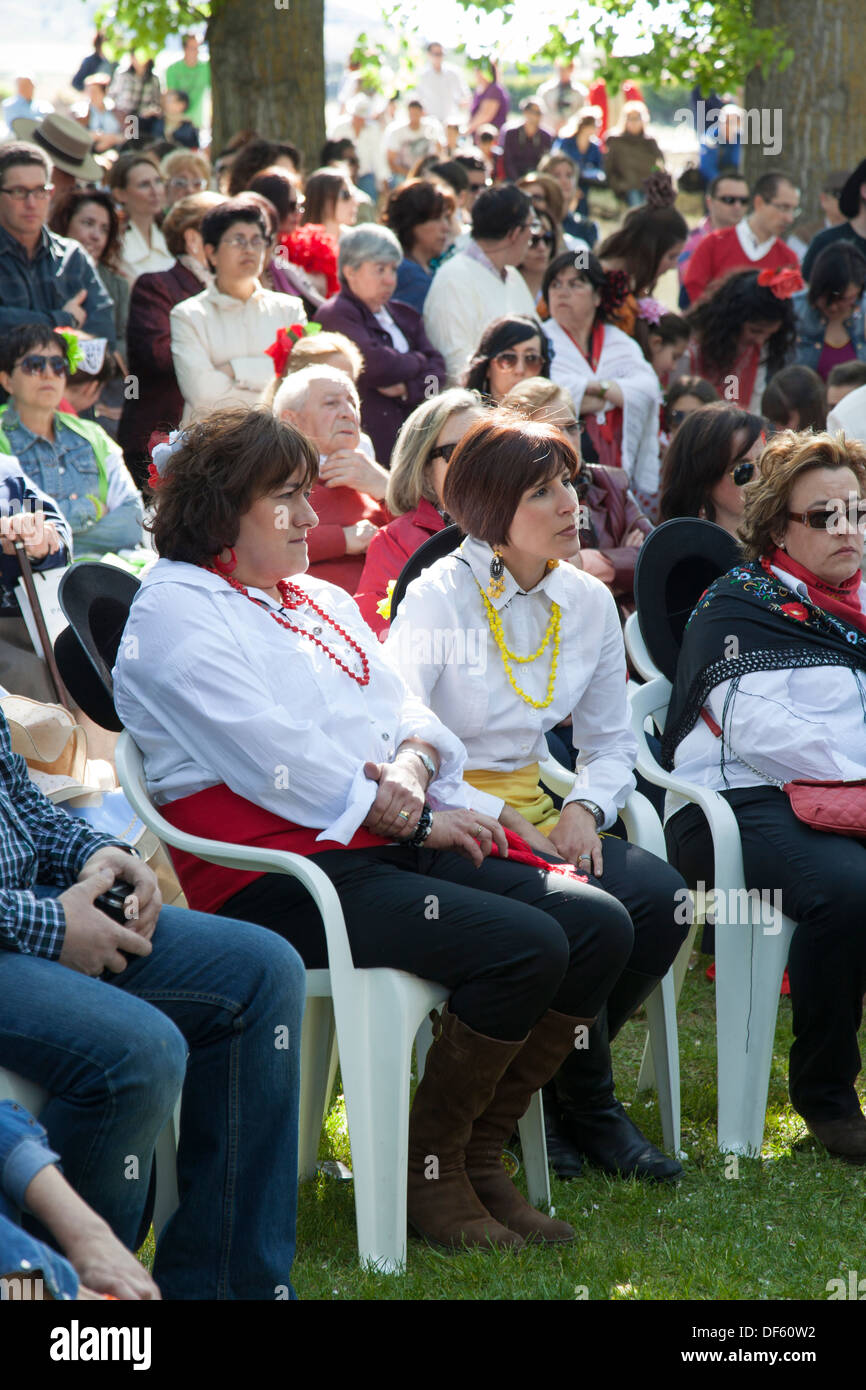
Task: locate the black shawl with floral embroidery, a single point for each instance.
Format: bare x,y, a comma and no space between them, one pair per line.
748,620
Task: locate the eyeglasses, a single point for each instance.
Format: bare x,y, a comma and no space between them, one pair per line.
477,187
149,186
197,185
730,198
240,243
20,193
743,471
676,417
787,207
510,360
38,362
830,518
346,193
444,451
541,239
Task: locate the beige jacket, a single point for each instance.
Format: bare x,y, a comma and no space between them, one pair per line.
218,346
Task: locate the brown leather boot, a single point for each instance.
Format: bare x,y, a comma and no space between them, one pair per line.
550,1041
459,1080
845,1138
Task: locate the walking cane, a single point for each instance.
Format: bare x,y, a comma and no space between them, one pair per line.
39,620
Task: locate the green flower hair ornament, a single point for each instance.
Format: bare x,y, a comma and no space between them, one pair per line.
74,354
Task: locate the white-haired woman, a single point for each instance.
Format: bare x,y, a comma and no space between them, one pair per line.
414,496
219,337
401,366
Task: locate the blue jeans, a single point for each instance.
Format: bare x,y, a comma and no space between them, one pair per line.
215,1009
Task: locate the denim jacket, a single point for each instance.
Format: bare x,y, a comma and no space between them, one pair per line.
812,325
101,504
24,1152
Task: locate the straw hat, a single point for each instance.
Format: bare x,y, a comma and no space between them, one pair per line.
68,145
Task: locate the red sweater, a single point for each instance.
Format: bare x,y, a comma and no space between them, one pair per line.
721,252
337,507
387,555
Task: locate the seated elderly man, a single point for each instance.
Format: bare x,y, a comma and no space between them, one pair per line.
113,1017
29,516
74,460
322,403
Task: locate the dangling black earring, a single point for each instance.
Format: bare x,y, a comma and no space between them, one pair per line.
496,587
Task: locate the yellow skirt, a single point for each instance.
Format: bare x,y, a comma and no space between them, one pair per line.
522,791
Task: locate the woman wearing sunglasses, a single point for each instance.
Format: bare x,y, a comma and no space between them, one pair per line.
543,246
414,497
712,456
829,314
74,461
512,347
789,704
546,644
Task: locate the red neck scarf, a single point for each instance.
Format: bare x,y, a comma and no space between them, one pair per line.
842,600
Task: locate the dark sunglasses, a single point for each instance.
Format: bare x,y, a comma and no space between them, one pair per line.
38,362
676,417
538,238
510,360
730,198
444,451
829,518
743,472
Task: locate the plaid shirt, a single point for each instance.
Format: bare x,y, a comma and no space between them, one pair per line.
131,93
38,844
34,291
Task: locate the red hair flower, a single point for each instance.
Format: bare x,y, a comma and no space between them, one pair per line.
281,348
782,282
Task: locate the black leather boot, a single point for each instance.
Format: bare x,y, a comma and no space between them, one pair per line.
590,1116
562,1156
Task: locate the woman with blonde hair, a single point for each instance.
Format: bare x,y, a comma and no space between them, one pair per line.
185,172
414,496
790,704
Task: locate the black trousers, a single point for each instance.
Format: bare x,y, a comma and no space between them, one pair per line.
508,940
822,882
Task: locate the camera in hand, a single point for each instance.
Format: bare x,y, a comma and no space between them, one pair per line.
111,902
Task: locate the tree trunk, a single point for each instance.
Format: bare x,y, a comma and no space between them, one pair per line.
267,62
817,106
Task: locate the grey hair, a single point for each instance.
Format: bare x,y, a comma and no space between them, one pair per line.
369,242
294,391
408,481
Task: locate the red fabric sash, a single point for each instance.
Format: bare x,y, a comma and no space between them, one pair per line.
217,813
842,600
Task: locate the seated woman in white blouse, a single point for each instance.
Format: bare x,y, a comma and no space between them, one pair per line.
504,639
267,714
790,702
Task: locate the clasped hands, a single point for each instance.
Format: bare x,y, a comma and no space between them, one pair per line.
93,942
402,788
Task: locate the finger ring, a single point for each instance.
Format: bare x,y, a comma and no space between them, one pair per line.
479,830
405,814
584,856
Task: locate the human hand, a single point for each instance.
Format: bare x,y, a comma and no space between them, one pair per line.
596,563
359,536
469,833
93,942
144,911
351,468
39,537
575,838
105,1266
74,306
401,788
399,391
635,537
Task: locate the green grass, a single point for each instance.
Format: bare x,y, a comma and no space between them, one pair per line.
781,1229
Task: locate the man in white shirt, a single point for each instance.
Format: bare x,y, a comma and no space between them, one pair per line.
364,128
561,97
441,87
850,415
408,141
481,283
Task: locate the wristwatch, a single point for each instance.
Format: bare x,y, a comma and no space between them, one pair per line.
426,760
595,811
604,387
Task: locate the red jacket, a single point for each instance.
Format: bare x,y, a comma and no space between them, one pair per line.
721,252
337,507
387,555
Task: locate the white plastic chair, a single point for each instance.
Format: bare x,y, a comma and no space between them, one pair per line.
372,1016
636,649
643,828
750,954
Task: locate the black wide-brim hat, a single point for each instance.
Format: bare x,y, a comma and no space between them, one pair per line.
675,564
849,198
96,599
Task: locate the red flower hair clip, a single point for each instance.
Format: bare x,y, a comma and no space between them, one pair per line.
782,282
281,348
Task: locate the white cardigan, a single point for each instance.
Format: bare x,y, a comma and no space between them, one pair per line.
218,346
464,297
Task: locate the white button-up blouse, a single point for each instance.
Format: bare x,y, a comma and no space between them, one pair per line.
214,690
441,642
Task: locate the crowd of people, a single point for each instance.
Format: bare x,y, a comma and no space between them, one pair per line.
261,379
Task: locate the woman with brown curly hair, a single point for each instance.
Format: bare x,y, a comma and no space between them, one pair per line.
743,332
789,702
266,711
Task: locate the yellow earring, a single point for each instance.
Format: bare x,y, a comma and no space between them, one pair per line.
553,564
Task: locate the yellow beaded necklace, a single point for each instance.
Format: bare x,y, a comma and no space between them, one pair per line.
508,656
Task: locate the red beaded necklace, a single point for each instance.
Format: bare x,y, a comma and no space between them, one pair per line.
293,597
